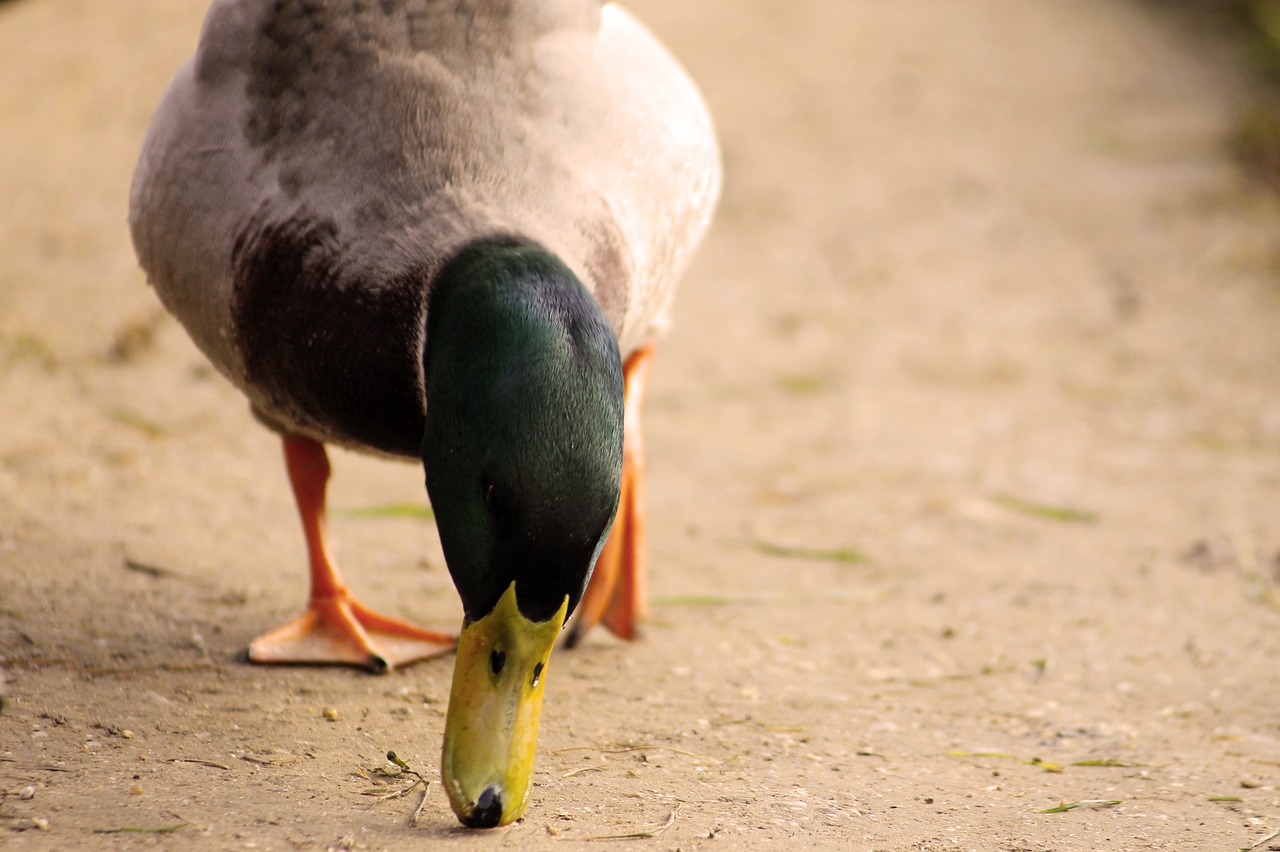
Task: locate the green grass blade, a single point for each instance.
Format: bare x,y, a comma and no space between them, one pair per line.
846,555
1044,511
1083,803
389,510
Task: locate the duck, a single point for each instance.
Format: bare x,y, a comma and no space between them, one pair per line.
447,231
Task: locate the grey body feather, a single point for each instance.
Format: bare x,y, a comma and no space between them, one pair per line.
313,166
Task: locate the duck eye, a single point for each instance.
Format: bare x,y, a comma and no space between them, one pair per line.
491,497
537,674
497,661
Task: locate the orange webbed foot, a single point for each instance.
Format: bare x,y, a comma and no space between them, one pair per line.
336,628
339,629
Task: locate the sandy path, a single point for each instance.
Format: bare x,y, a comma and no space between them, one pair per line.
965,471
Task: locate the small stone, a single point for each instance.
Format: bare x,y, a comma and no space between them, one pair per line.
331,714
127,734
40,823
27,793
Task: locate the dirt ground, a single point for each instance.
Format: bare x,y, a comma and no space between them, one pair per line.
964,456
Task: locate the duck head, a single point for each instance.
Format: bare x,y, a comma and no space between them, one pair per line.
523,453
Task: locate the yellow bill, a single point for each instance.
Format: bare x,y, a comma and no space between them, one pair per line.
491,730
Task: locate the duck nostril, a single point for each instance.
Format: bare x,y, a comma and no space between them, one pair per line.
488,809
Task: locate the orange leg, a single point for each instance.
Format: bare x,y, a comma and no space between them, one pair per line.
617,593
336,628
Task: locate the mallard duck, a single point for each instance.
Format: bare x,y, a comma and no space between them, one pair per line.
446,230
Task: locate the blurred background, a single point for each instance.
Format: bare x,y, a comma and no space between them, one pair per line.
964,457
